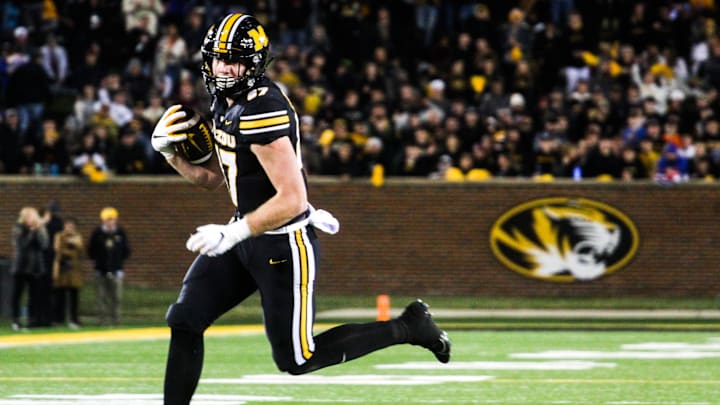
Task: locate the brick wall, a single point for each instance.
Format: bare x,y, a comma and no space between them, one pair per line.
411,237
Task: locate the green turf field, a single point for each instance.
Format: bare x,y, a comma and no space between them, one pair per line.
125,366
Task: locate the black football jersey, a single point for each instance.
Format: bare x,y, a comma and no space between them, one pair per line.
259,115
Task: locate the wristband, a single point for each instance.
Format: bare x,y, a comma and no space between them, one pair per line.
239,230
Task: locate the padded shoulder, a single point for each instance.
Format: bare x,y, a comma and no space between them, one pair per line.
267,115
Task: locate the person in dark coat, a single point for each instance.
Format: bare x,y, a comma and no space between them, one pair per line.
109,248
30,242
28,91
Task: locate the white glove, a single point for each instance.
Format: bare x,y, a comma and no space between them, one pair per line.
163,137
214,240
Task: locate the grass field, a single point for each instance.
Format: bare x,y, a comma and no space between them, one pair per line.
126,365
495,360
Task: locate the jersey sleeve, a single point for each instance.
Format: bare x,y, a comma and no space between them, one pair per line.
265,119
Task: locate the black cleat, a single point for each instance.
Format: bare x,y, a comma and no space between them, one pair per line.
422,331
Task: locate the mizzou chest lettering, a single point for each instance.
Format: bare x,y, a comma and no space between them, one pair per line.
564,239
224,139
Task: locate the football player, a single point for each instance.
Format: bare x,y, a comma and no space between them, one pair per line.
271,244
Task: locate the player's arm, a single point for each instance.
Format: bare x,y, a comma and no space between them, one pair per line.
266,132
207,175
290,200
169,131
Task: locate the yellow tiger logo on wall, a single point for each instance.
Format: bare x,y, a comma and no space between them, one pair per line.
564,239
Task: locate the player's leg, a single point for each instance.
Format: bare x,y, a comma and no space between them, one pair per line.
212,286
350,341
285,271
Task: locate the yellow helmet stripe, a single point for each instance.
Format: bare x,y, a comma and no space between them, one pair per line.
224,32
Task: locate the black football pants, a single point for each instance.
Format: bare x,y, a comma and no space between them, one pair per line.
283,268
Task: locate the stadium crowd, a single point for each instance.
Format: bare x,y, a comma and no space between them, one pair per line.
438,89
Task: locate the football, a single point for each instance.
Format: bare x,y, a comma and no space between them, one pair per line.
198,147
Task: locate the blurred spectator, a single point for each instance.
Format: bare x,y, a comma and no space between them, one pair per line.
482,158
654,86
517,37
28,90
458,68
632,166
154,109
10,137
505,167
293,17
88,157
142,44
54,60
413,162
90,72
67,273
710,69
194,33
704,167
480,25
636,128
22,44
30,241
143,12
371,156
136,81
427,14
119,109
105,25
579,43
129,155
109,248
84,107
171,54
342,161
494,99
603,160
672,167
648,156
547,159
104,126
52,153
636,29
187,93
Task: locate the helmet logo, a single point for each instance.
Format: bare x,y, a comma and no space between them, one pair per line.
259,37
247,43
564,239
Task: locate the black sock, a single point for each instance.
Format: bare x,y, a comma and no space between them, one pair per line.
350,341
184,365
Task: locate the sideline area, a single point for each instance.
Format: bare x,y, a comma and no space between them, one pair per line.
155,333
619,314
467,319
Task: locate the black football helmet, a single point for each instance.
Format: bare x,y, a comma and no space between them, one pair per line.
235,38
